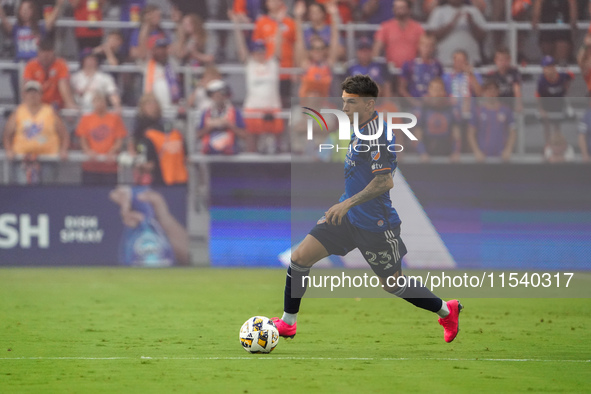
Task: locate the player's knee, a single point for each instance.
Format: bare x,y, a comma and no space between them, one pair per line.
301,259
390,283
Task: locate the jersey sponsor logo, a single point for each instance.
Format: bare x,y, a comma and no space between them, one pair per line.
376,166
375,155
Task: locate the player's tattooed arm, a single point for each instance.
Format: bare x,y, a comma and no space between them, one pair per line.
380,184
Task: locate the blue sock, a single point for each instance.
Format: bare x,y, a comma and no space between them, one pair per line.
418,295
293,294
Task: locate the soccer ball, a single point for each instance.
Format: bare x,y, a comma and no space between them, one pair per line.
259,335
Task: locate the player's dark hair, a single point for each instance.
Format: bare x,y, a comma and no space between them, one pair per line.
408,3
361,85
46,44
321,6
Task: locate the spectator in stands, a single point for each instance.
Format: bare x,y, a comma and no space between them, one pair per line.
53,75
552,88
247,11
457,26
438,129
418,73
584,61
365,64
491,131
556,43
34,128
149,116
428,6
26,34
376,11
199,98
399,37
164,158
150,27
265,29
189,45
221,123
463,83
558,150
90,80
318,27
585,134
111,51
159,75
507,78
262,103
88,11
318,61
101,133
199,7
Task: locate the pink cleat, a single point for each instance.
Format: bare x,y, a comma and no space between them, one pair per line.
285,330
451,323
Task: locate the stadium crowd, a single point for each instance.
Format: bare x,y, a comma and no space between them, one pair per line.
436,58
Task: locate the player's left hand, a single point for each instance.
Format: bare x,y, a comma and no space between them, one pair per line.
336,213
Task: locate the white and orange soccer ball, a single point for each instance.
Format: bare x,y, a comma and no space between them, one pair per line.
259,335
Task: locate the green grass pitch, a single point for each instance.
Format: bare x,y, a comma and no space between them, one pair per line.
176,330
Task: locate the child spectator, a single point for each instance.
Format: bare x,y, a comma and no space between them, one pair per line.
26,34
457,26
507,78
34,128
418,73
189,45
221,123
101,133
159,75
399,37
262,103
462,83
88,11
365,64
438,128
266,28
556,43
53,75
552,88
90,80
316,63
558,150
111,51
491,130
149,116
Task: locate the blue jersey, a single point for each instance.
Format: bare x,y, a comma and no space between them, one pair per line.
418,74
376,70
26,41
492,128
365,160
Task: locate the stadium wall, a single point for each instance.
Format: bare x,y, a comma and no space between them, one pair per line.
487,216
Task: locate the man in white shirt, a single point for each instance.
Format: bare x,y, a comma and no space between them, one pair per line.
90,80
457,26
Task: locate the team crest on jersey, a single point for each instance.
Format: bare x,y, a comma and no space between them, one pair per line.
376,155
321,220
32,129
380,223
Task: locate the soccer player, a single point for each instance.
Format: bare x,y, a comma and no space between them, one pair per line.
364,218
